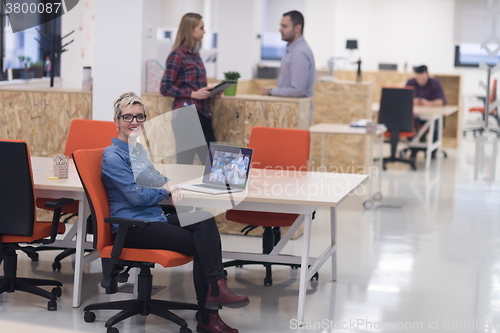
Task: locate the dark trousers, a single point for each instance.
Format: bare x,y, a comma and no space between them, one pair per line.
200,240
182,133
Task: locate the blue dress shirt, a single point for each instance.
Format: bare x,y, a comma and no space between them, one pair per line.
133,185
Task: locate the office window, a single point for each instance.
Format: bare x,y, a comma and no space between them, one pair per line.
273,48
23,43
470,55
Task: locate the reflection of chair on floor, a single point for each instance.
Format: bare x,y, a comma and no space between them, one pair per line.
20,225
82,134
396,113
115,257
482,110
274,148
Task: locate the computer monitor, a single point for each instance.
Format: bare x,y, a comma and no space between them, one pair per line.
351,44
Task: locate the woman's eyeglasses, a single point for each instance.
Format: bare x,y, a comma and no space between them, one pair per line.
129,118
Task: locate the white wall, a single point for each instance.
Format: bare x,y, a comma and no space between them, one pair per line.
125,38
170,12
239,24
395,31
400,31
275,10
81,52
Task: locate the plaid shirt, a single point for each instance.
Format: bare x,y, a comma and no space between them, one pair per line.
185,73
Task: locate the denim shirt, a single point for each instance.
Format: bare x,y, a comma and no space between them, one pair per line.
133,185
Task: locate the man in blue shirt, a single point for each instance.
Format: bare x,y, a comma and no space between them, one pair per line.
298,70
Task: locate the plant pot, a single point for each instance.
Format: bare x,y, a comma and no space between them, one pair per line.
38,72
27,75
231,91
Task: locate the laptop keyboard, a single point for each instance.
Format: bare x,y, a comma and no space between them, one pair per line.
212,187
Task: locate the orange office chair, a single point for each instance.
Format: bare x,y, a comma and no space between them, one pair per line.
82,134
20,225
274,148
482,110
115,257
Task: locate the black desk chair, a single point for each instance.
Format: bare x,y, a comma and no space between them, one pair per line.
396,113
18,224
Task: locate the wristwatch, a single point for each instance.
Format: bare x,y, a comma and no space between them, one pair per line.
269,92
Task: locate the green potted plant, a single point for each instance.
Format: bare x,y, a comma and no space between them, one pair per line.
231,76
37,67
26,74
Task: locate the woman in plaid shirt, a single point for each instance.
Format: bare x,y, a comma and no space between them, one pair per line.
185,80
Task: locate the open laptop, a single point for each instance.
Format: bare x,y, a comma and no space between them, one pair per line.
226,170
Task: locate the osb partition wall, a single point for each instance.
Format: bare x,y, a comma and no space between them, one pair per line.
228,117
41,118
340,103
451,85
234,117
252,87
160,138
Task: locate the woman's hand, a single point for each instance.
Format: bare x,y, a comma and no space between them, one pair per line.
175,192
203,93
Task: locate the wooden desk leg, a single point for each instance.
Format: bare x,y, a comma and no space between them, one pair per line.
304,269
333,231
322,150
83,212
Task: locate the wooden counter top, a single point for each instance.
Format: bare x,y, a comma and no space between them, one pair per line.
44,90
249,97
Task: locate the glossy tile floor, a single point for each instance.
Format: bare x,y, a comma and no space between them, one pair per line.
431,266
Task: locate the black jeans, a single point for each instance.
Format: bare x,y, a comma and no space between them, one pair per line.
182,134
200,240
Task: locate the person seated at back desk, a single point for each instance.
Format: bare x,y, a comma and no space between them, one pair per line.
428,92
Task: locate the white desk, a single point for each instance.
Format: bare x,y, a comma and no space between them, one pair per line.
66,188
282,192
268,190
430,114
325,129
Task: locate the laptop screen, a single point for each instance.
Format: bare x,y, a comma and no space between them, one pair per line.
227,165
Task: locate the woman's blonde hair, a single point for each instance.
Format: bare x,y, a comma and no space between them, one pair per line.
128,98
185,33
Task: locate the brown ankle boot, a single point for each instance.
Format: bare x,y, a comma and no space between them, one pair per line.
219,295
215,325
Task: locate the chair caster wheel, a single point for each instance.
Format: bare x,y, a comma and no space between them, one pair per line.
89,317
197,315
57,291
113,330
268,282
185,330
377,196
239,266
315,277
225,273
56,266
368,204
34,257
295,266
52,306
